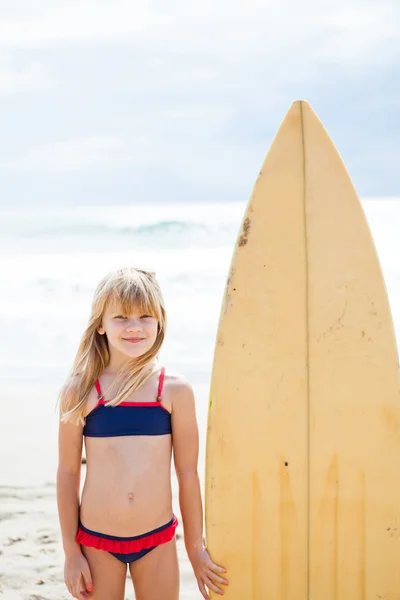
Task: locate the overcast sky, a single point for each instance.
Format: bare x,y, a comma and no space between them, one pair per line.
178,100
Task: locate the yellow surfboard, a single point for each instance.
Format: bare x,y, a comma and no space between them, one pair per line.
303,442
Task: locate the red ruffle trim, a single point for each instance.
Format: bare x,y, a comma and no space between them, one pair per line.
127,546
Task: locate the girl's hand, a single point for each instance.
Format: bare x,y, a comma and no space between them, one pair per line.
77,576
206,573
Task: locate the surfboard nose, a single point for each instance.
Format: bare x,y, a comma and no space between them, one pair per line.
301,104
301,109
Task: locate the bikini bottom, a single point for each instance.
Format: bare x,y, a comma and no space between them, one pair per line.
127,549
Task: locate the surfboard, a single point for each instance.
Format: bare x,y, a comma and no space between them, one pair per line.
302,488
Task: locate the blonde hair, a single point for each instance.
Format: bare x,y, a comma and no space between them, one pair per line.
130,289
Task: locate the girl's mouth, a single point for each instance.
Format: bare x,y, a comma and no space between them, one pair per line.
133,340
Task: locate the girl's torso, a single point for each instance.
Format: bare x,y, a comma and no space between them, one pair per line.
127,488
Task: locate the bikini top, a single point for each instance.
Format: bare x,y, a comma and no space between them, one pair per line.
128,418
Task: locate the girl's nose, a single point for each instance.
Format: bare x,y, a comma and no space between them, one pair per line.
134,325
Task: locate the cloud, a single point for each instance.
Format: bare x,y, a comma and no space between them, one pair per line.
192,92
71,155
29,77
77,21
234,29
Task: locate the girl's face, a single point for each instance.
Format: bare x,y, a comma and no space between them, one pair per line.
128,335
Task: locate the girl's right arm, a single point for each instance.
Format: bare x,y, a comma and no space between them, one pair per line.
77,574
68,483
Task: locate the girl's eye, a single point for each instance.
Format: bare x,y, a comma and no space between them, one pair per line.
124,318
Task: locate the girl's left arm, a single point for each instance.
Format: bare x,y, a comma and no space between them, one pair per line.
185,438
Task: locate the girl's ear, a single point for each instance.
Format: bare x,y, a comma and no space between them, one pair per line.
101,330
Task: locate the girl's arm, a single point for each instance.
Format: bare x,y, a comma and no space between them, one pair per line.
70,443
186,449
76,571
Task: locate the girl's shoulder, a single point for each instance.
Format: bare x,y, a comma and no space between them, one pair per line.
175,380
176,388
71,395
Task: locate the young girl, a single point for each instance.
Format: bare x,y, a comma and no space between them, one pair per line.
132,414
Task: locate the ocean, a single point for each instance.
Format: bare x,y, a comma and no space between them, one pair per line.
50,262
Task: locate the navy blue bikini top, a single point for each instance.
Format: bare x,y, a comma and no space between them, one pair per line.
128,418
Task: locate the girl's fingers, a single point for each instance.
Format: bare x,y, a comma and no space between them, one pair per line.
212,586
76,592
203,590
217,568
69,586
217,578
87,578
83,595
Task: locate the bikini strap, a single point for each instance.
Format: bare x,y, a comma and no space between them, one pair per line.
98,388
161,384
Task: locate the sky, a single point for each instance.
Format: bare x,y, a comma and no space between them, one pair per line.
122,101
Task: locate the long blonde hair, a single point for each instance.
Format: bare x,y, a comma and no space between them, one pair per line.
130,289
